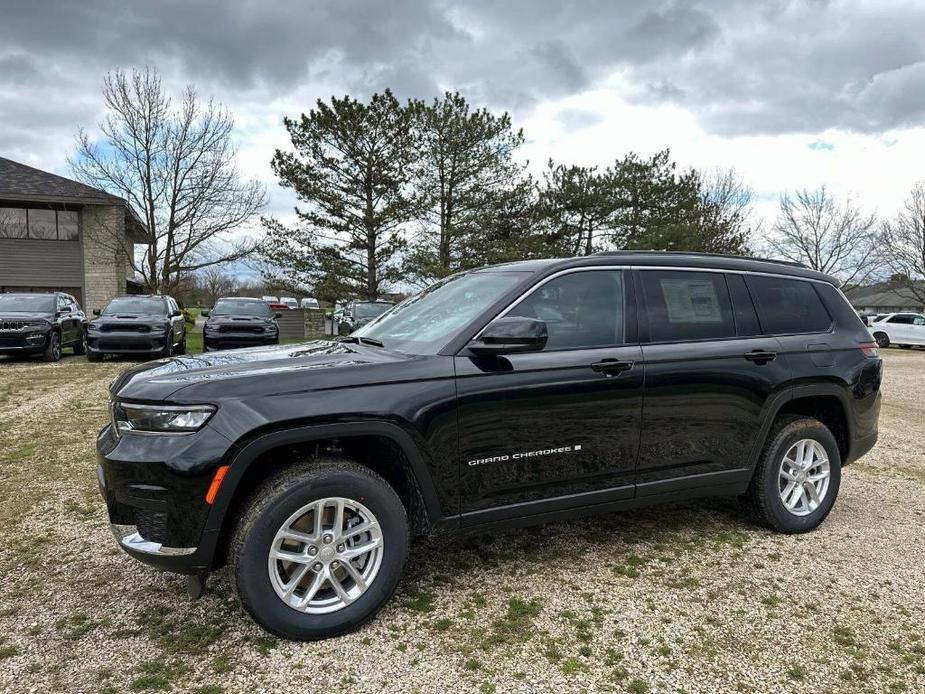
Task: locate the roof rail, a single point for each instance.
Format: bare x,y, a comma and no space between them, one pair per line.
700,254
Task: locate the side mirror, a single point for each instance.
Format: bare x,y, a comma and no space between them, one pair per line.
96,312
509,336
176,313
205,313
277,315
64,309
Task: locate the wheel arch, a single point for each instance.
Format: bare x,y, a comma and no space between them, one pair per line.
398,460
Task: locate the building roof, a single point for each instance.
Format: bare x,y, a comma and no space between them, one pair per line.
884,294
21,182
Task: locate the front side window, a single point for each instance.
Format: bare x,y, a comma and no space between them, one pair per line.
684,306
426,322
902,319
788,306
580,309
242,308
146,306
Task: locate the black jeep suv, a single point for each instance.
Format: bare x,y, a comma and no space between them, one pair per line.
240,322
147,325
509,395
40,324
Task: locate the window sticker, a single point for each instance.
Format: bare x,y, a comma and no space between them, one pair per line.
691,301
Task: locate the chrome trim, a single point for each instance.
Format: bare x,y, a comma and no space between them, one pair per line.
129,538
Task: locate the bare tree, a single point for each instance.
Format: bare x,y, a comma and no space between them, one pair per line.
902,244
175,167
814,229
216,283
725,211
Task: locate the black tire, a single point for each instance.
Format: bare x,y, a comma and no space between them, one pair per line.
762,501
168,348
94,356
269,508
80,347
53,350
181,348
882,339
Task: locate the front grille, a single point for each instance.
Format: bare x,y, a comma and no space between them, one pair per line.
12,325
253,329
16,341
125,328
152,525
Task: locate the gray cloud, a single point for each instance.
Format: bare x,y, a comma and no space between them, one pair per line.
741,67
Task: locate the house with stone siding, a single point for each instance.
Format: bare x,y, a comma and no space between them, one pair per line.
60,235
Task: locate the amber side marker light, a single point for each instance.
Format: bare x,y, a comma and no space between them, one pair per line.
216,483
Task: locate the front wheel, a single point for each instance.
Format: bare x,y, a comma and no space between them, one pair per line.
53,349
80,347
319,550
181,348
167,351
797,478
883,340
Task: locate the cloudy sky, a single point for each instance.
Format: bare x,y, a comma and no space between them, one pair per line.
791,93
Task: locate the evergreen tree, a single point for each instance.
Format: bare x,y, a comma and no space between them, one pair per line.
351,167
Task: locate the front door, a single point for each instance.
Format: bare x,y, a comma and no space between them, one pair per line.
561,424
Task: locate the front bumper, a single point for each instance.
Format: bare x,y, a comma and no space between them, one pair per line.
23,342
125,343
219,341
154,487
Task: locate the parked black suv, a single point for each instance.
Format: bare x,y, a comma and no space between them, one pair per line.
359,313
149,325
240,322
515,394
40,324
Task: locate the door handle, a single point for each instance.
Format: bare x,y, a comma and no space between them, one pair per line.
760,356
611,367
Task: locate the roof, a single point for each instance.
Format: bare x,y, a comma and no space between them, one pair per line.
21,182
885,294
673,259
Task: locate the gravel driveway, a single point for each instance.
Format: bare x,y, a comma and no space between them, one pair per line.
680,598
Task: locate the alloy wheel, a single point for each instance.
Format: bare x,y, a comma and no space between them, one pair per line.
326,555
803,478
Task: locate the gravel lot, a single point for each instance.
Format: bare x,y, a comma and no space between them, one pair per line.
684,598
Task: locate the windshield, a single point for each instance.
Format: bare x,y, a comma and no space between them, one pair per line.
370,310
138,305
242,308
20,303
424,323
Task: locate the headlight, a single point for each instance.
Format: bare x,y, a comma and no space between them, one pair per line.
93,326
162,419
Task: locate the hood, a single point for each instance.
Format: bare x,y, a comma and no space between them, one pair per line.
239,320
32,316
256,371
131,317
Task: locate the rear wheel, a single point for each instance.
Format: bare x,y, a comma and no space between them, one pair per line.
797,478
53,349
319,550
882,339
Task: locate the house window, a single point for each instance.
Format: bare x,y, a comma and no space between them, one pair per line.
42,224
67,226
12,223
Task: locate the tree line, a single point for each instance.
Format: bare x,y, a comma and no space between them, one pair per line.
395,194
417,191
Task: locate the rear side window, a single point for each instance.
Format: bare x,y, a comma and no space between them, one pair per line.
788,306
902,318
685,306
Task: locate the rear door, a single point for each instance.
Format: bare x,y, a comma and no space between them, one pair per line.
709,375
559,428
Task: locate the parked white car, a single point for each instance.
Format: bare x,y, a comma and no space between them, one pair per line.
270,299
289,301
903,329
308,302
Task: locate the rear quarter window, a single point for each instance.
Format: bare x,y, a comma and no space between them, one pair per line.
788,306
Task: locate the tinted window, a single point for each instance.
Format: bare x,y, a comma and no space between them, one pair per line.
580,309
902,318
12,223
687,305
742,305
369,310
227,307
918,321
788,306
67,226
42,224
149,306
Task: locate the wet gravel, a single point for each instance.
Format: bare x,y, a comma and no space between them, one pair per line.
679,598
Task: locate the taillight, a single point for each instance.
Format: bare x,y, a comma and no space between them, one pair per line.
869,349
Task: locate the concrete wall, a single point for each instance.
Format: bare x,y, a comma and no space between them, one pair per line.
302,323
105,254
